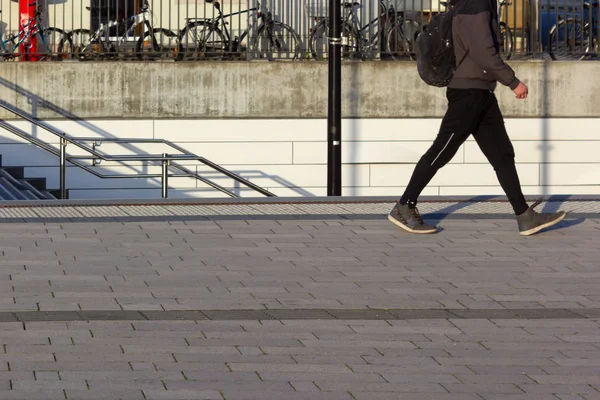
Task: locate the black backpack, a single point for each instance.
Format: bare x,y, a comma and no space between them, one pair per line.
434,50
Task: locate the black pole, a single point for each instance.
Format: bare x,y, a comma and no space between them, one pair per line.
334,114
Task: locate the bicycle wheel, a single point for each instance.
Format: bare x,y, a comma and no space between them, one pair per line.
401,39
80,46
568,40
48,44
319,44
505,42
160,44
201,40
281,44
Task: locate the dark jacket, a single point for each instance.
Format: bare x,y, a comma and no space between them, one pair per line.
476,34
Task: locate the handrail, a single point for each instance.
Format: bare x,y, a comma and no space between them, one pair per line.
167,160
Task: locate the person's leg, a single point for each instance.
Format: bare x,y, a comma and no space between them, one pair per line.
493,140
495,144
465,109
464,112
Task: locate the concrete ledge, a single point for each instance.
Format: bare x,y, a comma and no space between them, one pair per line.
284,200
131,90
138,211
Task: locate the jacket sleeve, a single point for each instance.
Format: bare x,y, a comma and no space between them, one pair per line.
475,32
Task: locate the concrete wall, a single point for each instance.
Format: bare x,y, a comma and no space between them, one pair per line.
275,90
266,121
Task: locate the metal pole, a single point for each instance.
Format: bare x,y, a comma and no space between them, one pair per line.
63,168
334,115
165,177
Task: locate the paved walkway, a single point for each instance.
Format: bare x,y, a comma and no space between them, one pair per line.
296,301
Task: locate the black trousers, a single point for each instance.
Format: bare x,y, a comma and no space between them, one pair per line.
476,112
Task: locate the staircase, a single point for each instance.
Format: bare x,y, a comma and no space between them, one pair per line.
14,185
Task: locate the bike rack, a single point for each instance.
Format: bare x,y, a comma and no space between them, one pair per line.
167,160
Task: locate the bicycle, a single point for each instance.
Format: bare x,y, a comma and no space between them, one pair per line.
355,43
44,36
402,37
154,43
573,39
209,38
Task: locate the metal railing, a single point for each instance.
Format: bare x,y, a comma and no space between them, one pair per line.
194,30
166,160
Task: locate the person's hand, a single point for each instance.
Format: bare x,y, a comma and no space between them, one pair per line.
521,91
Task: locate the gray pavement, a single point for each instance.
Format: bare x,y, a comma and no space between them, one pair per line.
297,301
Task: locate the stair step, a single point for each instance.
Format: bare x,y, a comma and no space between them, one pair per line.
15,172
15,193
38,183
21,189
40,194
56,193
6,194
48,195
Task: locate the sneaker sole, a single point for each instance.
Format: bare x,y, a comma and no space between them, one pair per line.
407,229
544,226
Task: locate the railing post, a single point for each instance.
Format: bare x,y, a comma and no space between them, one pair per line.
63,168
165,176
532,34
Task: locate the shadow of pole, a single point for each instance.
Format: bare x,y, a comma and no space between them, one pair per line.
553,203
544,134
353,127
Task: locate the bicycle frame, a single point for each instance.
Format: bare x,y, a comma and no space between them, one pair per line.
220,22
137,19
352,19
25,33
224,24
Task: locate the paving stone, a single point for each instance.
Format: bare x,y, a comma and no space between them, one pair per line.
237,314
182,395
362,314
131,394
34,394
110,315
299,314
558,389
47,316
174,315
275,395
482,388
415,396
8,317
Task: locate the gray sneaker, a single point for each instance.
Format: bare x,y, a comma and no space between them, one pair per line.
531,222
409,219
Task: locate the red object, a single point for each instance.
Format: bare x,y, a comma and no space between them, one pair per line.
29,45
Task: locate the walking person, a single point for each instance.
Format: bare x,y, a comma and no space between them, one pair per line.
473,110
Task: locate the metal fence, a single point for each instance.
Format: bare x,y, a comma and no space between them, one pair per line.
194,30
